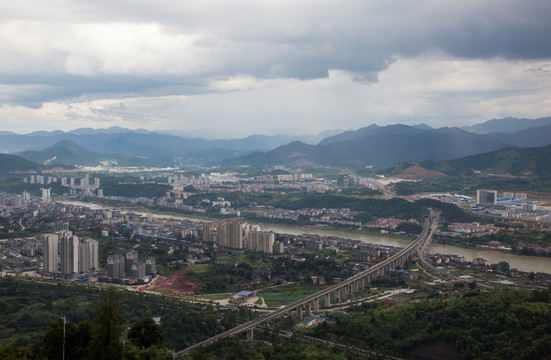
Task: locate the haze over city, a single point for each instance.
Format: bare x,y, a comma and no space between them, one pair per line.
231,69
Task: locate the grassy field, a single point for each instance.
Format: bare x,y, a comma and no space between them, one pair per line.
287,294
197,269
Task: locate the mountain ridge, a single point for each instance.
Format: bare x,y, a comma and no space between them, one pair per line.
507,125
378,147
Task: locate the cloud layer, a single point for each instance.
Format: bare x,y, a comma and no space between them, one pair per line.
258,66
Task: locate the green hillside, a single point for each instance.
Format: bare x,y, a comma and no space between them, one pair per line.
69,153
64,152
10,163
510,161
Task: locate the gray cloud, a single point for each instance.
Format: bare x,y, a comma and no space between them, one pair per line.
79,51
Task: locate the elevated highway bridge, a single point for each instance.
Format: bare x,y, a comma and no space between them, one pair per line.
341,290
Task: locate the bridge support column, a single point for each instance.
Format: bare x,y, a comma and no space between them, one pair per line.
308,308
327,300
316,305
299,312
250,335
337,295
290,313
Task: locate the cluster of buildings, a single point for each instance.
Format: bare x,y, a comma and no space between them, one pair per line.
65,254
19,253
240,236
342,216
231,181
59,254
470,229
231,177
128,266
83,186
513,206
389,223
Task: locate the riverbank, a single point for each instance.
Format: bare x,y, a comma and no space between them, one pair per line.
521,262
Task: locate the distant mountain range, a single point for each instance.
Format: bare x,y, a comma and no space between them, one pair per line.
381,146
377,147
507,125
373,146
164,148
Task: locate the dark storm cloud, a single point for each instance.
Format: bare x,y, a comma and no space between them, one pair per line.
301,40
272,59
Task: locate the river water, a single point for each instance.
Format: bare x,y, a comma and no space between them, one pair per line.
520,262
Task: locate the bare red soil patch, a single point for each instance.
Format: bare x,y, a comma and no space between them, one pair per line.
419,172
178,283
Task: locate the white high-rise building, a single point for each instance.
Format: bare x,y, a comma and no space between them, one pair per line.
131,259
88,255
26,196
49,250
69,254
45,195
261,241
115,266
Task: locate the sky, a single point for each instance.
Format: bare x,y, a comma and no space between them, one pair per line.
228,69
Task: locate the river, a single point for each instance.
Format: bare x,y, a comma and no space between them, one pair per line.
520,262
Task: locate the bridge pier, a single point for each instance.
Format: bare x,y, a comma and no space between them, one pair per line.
316,305
327,300
308,309
250,335
299,312
337,295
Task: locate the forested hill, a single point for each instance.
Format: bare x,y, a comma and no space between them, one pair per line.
510,161
370,208
10,163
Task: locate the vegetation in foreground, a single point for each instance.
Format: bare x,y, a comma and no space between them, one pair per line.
512,324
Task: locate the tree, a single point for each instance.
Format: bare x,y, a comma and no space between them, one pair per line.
146,333
77,338
107,327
